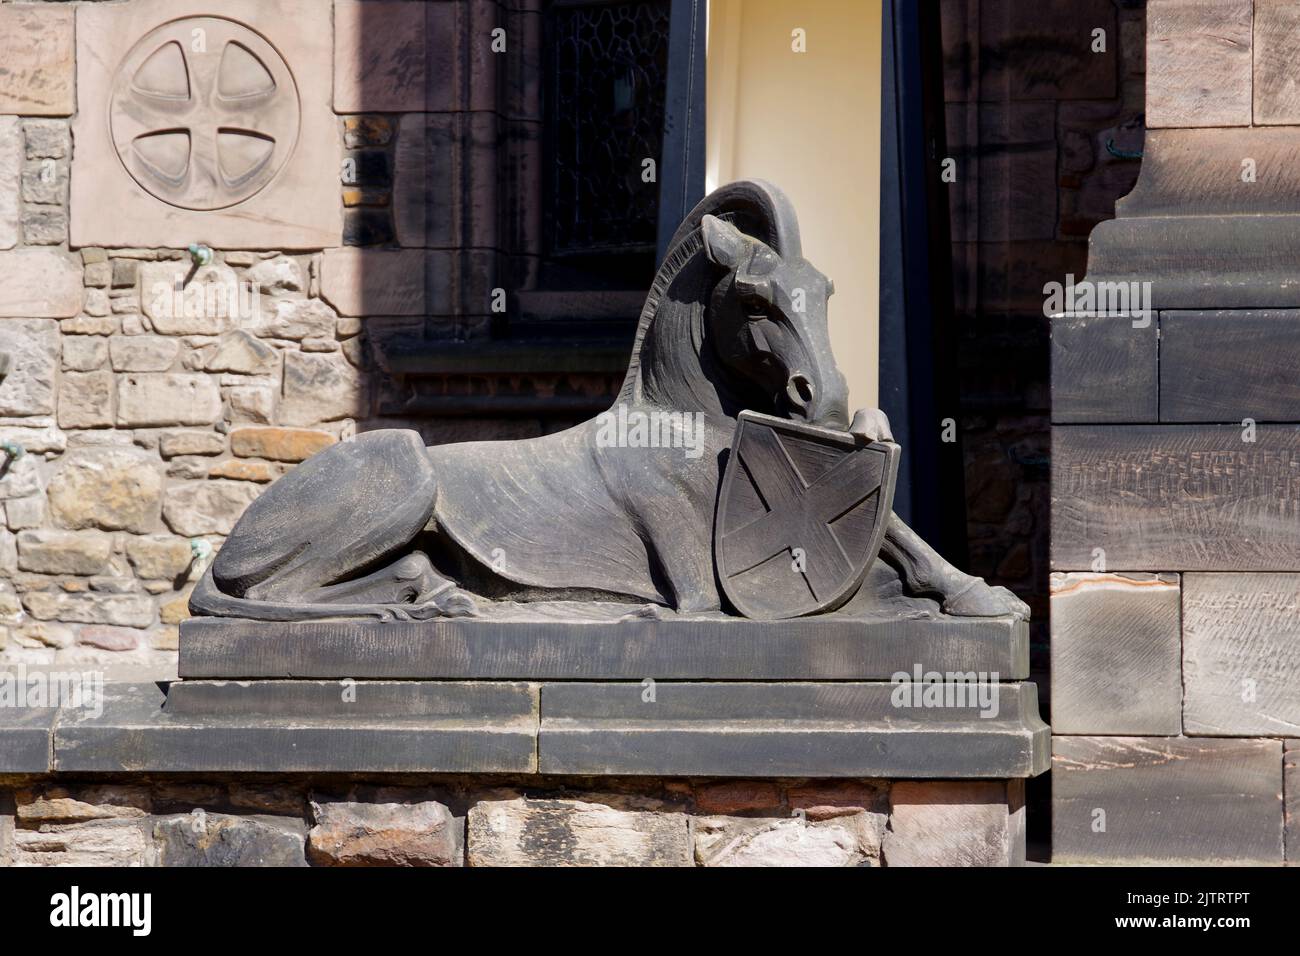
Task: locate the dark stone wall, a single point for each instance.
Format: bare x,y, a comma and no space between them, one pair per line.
1046,134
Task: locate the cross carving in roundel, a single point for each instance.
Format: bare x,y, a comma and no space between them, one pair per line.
204,112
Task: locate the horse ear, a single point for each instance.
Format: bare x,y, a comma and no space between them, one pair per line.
723,242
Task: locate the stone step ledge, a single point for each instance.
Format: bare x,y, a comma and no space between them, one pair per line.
627,728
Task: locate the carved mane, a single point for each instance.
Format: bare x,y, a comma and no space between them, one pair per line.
682,286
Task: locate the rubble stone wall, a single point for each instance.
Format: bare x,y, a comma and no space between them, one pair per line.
459,821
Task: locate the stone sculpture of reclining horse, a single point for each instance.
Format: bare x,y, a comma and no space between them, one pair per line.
382,526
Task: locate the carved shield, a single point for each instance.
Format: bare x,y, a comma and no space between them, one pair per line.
801,516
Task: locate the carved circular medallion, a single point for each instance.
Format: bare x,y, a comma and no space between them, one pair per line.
204,112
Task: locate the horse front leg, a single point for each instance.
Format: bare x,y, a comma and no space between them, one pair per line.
926,573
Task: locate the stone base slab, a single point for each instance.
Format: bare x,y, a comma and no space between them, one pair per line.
831,647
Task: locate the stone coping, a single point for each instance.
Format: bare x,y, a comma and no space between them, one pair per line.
749,729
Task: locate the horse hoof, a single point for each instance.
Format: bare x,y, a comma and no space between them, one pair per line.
979,599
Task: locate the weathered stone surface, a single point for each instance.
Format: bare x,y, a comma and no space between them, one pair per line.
373,281
524,831
737,796
21,479
385,834
1199,56
1162,800
33,349
40,437
251,403
810,649
86,399
1277,43
123,610
142,353
47,139
25,512
206,303
174,443
167,399
297,319
96,843
392,57
825,801
60,804
796,730
36,47
116,489
218,839
1241,654
27,733
1115,654
1291,787
1017,166
159,557
320,388
11,165
63,552
45,226
444,180
208,507
84,353
135,733
949,823
242,353
733,841
1193,497
279,444
110,638
1046,56
1229,366
1104,369
276,276
244,471
39,283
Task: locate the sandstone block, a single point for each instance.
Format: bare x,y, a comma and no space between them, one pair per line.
1116,643
174,443
242,353
741,841
33,348
60,804
109,638
385,834
167,399
86,399
543,832
11,167
218,839
279,444
1199,56
210,302
277,276
207,507
320,388
36,48
63,552
951,823
298,319
142,353
123,610
39,283
84,353
115,489
159,557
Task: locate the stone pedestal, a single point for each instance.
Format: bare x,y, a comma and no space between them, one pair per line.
708,741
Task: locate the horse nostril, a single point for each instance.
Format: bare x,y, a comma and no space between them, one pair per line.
800,392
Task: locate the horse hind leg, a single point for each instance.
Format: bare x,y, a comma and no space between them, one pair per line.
334,538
